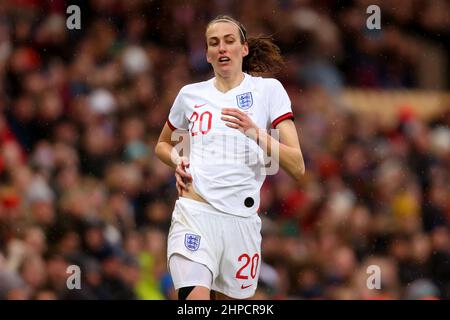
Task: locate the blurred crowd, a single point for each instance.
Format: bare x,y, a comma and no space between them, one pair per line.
81,111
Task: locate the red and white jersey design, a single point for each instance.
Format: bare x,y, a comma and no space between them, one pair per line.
227,167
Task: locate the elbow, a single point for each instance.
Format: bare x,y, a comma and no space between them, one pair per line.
158,150
299,173
296,169
302,170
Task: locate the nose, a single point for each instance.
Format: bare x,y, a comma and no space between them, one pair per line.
222,47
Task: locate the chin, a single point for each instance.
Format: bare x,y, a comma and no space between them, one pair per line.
224,71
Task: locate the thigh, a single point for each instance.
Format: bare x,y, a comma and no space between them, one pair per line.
241,259
187,273
191,236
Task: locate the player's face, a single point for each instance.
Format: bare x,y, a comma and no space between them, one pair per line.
224,48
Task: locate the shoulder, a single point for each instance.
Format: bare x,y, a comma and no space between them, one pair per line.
196,87
272,83
266,83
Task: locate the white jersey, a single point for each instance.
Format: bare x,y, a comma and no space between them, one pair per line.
227,167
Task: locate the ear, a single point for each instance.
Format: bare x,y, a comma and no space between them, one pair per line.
245,50
208,57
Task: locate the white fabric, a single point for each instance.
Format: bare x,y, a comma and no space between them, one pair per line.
187,273
226,244
227,167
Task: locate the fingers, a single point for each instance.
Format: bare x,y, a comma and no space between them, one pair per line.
232,120
182,177
180,170
179,190
184,161
237,119
185,164
180,182
234,126
234,112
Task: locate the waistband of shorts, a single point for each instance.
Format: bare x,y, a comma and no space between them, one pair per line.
198,204
206,207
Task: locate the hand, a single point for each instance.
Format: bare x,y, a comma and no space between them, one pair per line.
183,178
241,121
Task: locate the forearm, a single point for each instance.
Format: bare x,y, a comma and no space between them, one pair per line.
167,154
289,158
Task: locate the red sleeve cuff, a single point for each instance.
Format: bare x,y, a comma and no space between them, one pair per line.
171,126
283,117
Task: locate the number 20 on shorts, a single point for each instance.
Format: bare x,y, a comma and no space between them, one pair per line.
253,262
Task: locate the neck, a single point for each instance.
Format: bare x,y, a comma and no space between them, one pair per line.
224,84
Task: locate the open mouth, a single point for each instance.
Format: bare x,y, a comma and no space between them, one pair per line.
224,59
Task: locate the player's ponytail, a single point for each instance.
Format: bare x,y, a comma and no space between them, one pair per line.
264,56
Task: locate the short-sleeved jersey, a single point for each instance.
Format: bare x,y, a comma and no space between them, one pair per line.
227,167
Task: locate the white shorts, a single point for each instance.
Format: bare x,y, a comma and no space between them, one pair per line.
229,246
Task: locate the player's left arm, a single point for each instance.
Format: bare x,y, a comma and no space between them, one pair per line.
287,150
288,147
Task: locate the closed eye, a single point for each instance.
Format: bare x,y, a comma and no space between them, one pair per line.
229,39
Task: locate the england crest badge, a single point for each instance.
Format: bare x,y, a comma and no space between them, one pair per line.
192,241
245,100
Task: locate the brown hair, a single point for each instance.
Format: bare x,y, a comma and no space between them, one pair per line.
263,55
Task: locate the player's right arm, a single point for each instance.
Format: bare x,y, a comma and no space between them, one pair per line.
165,150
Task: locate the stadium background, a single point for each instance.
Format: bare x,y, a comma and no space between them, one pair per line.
81,111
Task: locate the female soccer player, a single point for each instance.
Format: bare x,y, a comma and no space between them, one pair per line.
214,242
